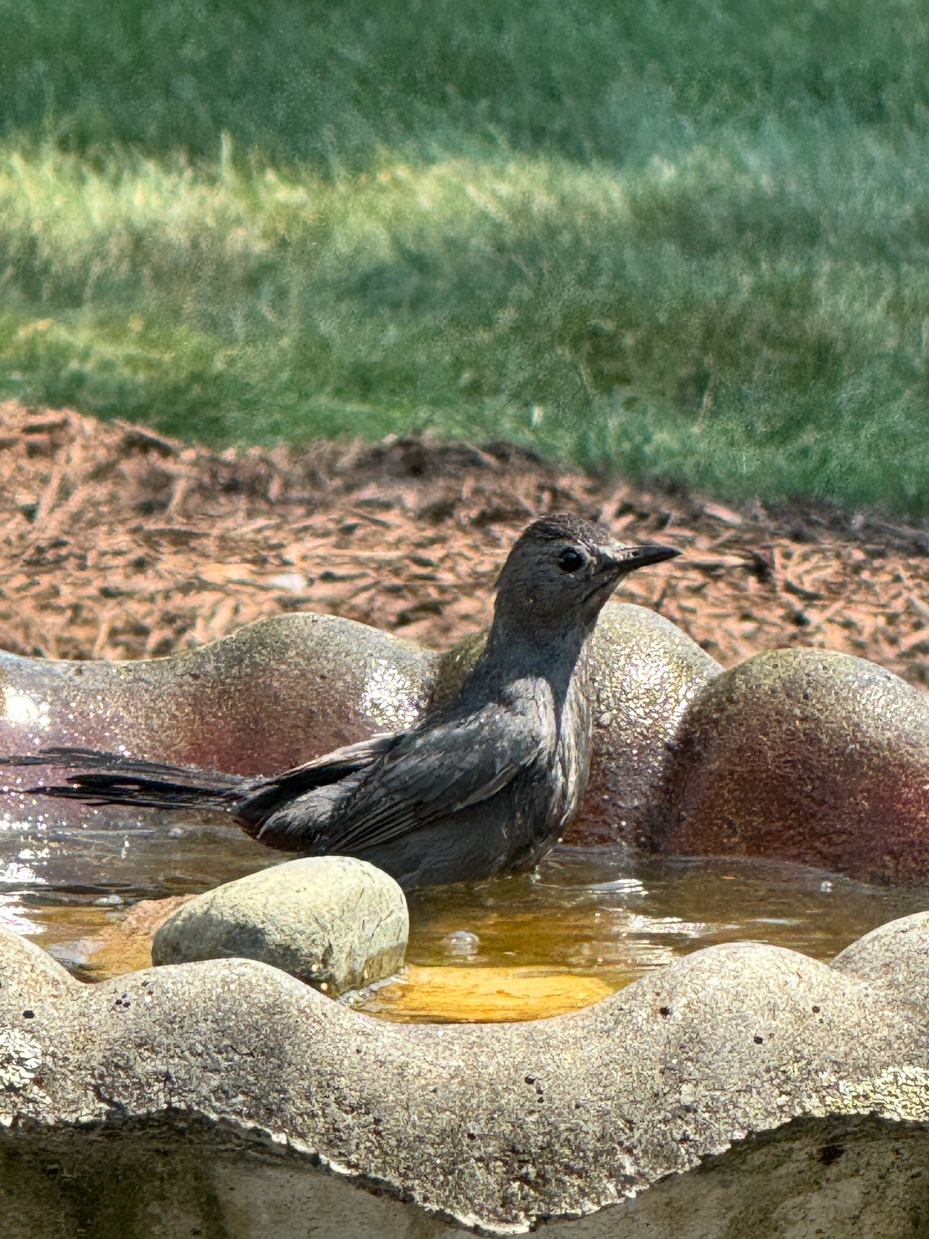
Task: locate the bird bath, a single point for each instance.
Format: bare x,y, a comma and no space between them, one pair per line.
668,1057
588,921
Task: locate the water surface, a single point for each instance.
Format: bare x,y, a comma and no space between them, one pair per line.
598,913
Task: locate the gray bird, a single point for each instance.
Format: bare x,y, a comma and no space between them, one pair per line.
480,785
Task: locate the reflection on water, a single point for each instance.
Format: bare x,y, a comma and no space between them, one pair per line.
599,913
604,911
60,883
146,856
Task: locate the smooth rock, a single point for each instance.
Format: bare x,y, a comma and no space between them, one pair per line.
333,921
495,1126
807,755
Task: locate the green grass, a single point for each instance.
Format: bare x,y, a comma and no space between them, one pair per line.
676,239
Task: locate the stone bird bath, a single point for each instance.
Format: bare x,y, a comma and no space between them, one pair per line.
228,1098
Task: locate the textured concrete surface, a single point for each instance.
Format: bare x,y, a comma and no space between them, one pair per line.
809,756
802,754
495,1126
333,921
895,957
644,674
173,1176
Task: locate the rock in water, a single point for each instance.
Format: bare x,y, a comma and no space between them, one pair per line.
806,755
333,921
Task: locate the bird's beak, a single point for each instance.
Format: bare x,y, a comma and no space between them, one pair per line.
623,559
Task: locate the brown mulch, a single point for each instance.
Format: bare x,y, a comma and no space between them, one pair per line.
120,543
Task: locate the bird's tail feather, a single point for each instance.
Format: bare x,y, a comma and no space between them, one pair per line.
111,778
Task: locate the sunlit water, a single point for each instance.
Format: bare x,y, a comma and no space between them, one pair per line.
616,915
60,882
599,912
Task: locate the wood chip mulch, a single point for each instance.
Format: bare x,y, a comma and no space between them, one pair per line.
119,543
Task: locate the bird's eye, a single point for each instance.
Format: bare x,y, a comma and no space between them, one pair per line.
570,560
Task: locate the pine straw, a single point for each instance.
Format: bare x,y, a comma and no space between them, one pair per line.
119,543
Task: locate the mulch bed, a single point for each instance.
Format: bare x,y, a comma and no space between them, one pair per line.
120,543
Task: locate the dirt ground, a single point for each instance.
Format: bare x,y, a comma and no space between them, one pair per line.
119,543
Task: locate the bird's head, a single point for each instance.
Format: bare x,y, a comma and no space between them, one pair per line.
561,571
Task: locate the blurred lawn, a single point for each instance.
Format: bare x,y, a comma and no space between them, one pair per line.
681,239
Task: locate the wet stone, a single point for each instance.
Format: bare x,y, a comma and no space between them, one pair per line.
333,921
807,755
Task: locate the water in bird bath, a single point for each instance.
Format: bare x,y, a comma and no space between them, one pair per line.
66,878
589,921
586,922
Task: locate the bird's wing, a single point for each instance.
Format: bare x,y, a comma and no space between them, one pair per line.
338,762
433,772
267,794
